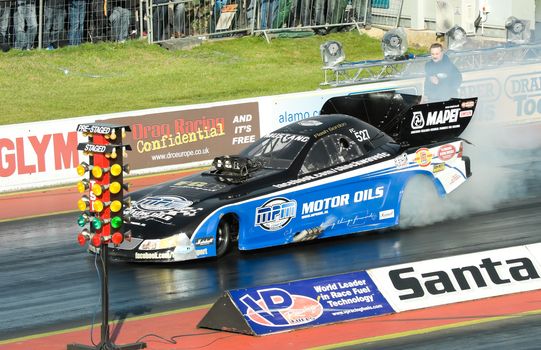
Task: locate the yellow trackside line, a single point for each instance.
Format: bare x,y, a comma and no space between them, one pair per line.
425,330
39,215
81,328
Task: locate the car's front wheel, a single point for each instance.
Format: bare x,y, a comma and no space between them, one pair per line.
223,238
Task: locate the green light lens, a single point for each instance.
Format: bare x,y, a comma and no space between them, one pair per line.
97,223
116,222
81,221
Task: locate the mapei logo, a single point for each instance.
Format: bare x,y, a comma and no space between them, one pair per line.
441,117
275,214
275,307
418,120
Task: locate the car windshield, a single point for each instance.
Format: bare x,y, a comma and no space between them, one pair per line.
277,150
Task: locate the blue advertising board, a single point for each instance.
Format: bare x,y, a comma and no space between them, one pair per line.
306,303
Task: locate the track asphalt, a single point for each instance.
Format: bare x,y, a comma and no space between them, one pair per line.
177,329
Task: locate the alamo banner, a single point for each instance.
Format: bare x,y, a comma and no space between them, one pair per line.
192,135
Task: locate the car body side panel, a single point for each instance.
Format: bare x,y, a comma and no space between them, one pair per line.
357,200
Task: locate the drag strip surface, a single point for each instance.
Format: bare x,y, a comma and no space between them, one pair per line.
50,283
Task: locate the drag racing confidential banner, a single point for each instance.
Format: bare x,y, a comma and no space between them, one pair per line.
191,135
306,303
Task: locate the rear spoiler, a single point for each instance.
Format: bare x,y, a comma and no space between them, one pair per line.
402,117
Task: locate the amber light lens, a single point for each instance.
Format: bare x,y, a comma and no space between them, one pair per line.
97,172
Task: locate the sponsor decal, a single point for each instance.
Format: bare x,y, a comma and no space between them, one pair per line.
289,117
361,135
322,206
417,121
157,203
524,90
31,154
434,118
454,178
467,104
199,252
309,123
335,170
204,241
204,133
277,308
438,167
456,278
423,157
446,152
386,214
161,208
285,138
401,161
459,278
465,114
317,301
329,130
199,185
275,214
167,255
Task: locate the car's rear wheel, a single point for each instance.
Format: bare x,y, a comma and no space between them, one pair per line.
420,204
223,238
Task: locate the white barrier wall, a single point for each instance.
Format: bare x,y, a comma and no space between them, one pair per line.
34,155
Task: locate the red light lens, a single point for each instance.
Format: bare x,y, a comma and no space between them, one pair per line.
117,238
96,240
81,239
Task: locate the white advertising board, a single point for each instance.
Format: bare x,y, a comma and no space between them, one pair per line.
458,278
42,154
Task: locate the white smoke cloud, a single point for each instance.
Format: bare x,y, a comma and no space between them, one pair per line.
501,174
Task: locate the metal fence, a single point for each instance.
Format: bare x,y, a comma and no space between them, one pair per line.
28,24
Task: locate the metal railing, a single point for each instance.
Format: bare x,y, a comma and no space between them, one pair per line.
29,24
350,73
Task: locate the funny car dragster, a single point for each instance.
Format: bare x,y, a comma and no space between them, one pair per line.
338,173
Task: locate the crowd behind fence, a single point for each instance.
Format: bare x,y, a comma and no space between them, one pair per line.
49,24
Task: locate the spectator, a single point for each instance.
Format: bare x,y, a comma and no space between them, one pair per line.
269,11
179,20
77,21
5,11
284,9
442,78
159,20
55,14
120,21
25,16
97,21
362,12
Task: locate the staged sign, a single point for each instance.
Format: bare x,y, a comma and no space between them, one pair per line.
459,278
309,302
192,135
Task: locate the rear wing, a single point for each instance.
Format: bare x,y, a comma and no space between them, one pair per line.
402,117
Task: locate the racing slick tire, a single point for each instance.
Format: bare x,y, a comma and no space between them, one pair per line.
223,238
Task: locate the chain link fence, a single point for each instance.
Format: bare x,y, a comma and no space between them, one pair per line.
49,24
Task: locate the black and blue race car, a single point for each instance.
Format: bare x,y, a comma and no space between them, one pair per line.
338,173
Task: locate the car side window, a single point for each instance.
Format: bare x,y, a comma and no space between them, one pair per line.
330,151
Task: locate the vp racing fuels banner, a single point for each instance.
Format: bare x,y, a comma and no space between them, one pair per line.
299,304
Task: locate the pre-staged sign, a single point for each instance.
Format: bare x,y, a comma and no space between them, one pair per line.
282,307
190,135
458,278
